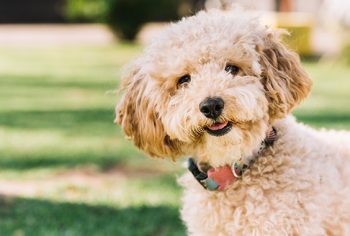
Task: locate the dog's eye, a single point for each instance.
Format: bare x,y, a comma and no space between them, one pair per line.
232,69
184,79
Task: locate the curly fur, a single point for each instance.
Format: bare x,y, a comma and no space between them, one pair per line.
300,186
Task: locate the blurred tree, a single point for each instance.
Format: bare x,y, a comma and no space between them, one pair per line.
86,10
126,17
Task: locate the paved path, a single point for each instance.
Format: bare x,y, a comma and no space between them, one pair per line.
54,34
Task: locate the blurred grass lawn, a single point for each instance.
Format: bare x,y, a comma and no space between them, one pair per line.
66,169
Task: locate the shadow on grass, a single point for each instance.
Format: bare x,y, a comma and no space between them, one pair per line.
84,120
323,119
72,123
21,216
53,160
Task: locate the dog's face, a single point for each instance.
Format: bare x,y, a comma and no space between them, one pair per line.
210,86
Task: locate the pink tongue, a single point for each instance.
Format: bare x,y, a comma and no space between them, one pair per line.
217,126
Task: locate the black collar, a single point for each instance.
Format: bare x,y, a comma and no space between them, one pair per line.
237,168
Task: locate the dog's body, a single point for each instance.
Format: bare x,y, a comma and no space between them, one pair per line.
211,87
300,186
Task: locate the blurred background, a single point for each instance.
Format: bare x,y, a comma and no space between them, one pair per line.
65,168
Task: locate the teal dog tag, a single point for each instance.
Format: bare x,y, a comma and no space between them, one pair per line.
211,185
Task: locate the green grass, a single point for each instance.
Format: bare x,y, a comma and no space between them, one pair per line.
66,169
328,105
39,217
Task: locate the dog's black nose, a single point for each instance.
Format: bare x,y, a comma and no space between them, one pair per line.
212,107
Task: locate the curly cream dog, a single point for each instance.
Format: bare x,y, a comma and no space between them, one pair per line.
212,86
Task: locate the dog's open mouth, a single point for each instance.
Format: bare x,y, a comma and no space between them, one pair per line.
219,129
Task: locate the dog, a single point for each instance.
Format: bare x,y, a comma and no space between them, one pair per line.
219,87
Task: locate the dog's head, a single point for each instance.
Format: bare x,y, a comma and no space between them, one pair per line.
214,81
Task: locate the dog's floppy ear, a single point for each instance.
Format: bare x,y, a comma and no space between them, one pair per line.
136,113
285,81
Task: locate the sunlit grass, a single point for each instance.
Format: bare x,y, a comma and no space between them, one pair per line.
59,144
328,105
